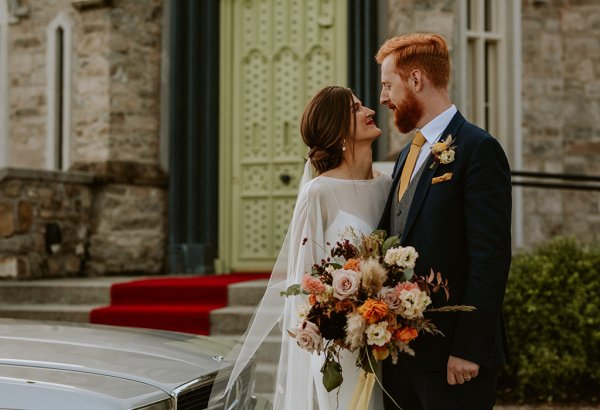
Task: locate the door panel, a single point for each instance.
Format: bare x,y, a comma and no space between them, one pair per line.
275,55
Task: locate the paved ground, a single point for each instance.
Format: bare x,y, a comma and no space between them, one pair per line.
546,407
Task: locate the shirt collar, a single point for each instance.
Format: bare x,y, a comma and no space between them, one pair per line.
432,131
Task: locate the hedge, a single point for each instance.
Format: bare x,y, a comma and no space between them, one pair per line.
552,313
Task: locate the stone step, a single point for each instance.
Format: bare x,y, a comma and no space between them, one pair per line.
80,291
54,312
265,375
231,320
246,293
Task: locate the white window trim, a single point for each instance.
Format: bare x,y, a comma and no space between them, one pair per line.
509,121
63,20
4,100
517,121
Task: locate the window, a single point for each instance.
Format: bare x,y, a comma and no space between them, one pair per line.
58,61
489,85
489,68
4,103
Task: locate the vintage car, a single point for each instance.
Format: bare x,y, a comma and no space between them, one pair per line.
51,365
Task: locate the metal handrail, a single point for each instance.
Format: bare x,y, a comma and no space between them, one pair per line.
535,177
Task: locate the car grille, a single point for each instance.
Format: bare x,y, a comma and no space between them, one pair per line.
196,396
194,399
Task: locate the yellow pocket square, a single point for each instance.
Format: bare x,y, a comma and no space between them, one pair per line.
446,177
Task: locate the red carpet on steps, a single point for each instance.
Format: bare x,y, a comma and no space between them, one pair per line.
181,304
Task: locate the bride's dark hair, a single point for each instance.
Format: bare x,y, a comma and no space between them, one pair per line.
326,126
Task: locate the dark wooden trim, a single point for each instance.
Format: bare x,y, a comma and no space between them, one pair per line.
193,136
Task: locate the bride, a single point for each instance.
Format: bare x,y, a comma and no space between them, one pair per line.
346,192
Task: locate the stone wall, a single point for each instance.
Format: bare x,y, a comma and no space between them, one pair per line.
114,78
118,83
32,203
129,230
115,138
561,115
103,228
27,84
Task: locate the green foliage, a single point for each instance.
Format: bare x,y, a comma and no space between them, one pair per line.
391,242
292,290
332,375
552,311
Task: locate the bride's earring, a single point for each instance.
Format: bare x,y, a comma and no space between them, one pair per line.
344,146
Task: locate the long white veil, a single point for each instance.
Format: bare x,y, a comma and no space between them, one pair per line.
293,382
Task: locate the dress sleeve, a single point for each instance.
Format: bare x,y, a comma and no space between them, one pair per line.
307,237
295,381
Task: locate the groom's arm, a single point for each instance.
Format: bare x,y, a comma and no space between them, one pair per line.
487,215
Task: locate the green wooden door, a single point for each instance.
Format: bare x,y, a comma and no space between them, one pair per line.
275,54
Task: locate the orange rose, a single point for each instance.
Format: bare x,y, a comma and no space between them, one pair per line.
380,352
312,299
352,264
406,334
373,310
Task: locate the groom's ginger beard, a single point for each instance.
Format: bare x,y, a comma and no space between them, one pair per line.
408,113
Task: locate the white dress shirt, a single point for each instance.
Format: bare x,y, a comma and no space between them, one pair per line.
432,131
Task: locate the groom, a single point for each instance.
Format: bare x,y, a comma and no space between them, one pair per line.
453,204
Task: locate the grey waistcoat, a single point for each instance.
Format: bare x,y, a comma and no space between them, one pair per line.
399,211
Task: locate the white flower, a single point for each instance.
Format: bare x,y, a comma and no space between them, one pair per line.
378,334
324,297
447,156
404,257
303,312
355,329
345,283
308,337
414,303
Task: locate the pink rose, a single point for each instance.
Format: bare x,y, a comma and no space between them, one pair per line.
391,296
345,283
308,337
406,286
312,285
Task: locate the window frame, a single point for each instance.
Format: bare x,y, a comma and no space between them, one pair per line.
54,161
506,124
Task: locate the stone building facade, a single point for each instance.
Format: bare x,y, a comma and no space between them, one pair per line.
559,99
561,114
81,132
80,135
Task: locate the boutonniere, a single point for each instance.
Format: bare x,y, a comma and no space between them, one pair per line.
443,152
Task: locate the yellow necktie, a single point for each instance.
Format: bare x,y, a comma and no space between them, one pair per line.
411,160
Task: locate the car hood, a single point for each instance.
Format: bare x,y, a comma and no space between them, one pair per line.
163,359
36,388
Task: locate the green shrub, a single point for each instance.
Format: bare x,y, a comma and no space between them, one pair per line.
552,312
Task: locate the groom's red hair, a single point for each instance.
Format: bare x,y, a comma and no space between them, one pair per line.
425,52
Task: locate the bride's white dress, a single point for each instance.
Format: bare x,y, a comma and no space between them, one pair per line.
325,208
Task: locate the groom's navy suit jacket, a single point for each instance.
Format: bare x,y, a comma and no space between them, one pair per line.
461,227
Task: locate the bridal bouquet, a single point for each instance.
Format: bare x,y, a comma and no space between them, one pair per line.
372,304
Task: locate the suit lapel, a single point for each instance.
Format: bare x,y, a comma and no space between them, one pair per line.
425,180
384,222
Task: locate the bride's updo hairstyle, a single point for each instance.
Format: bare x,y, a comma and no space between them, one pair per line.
326,124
